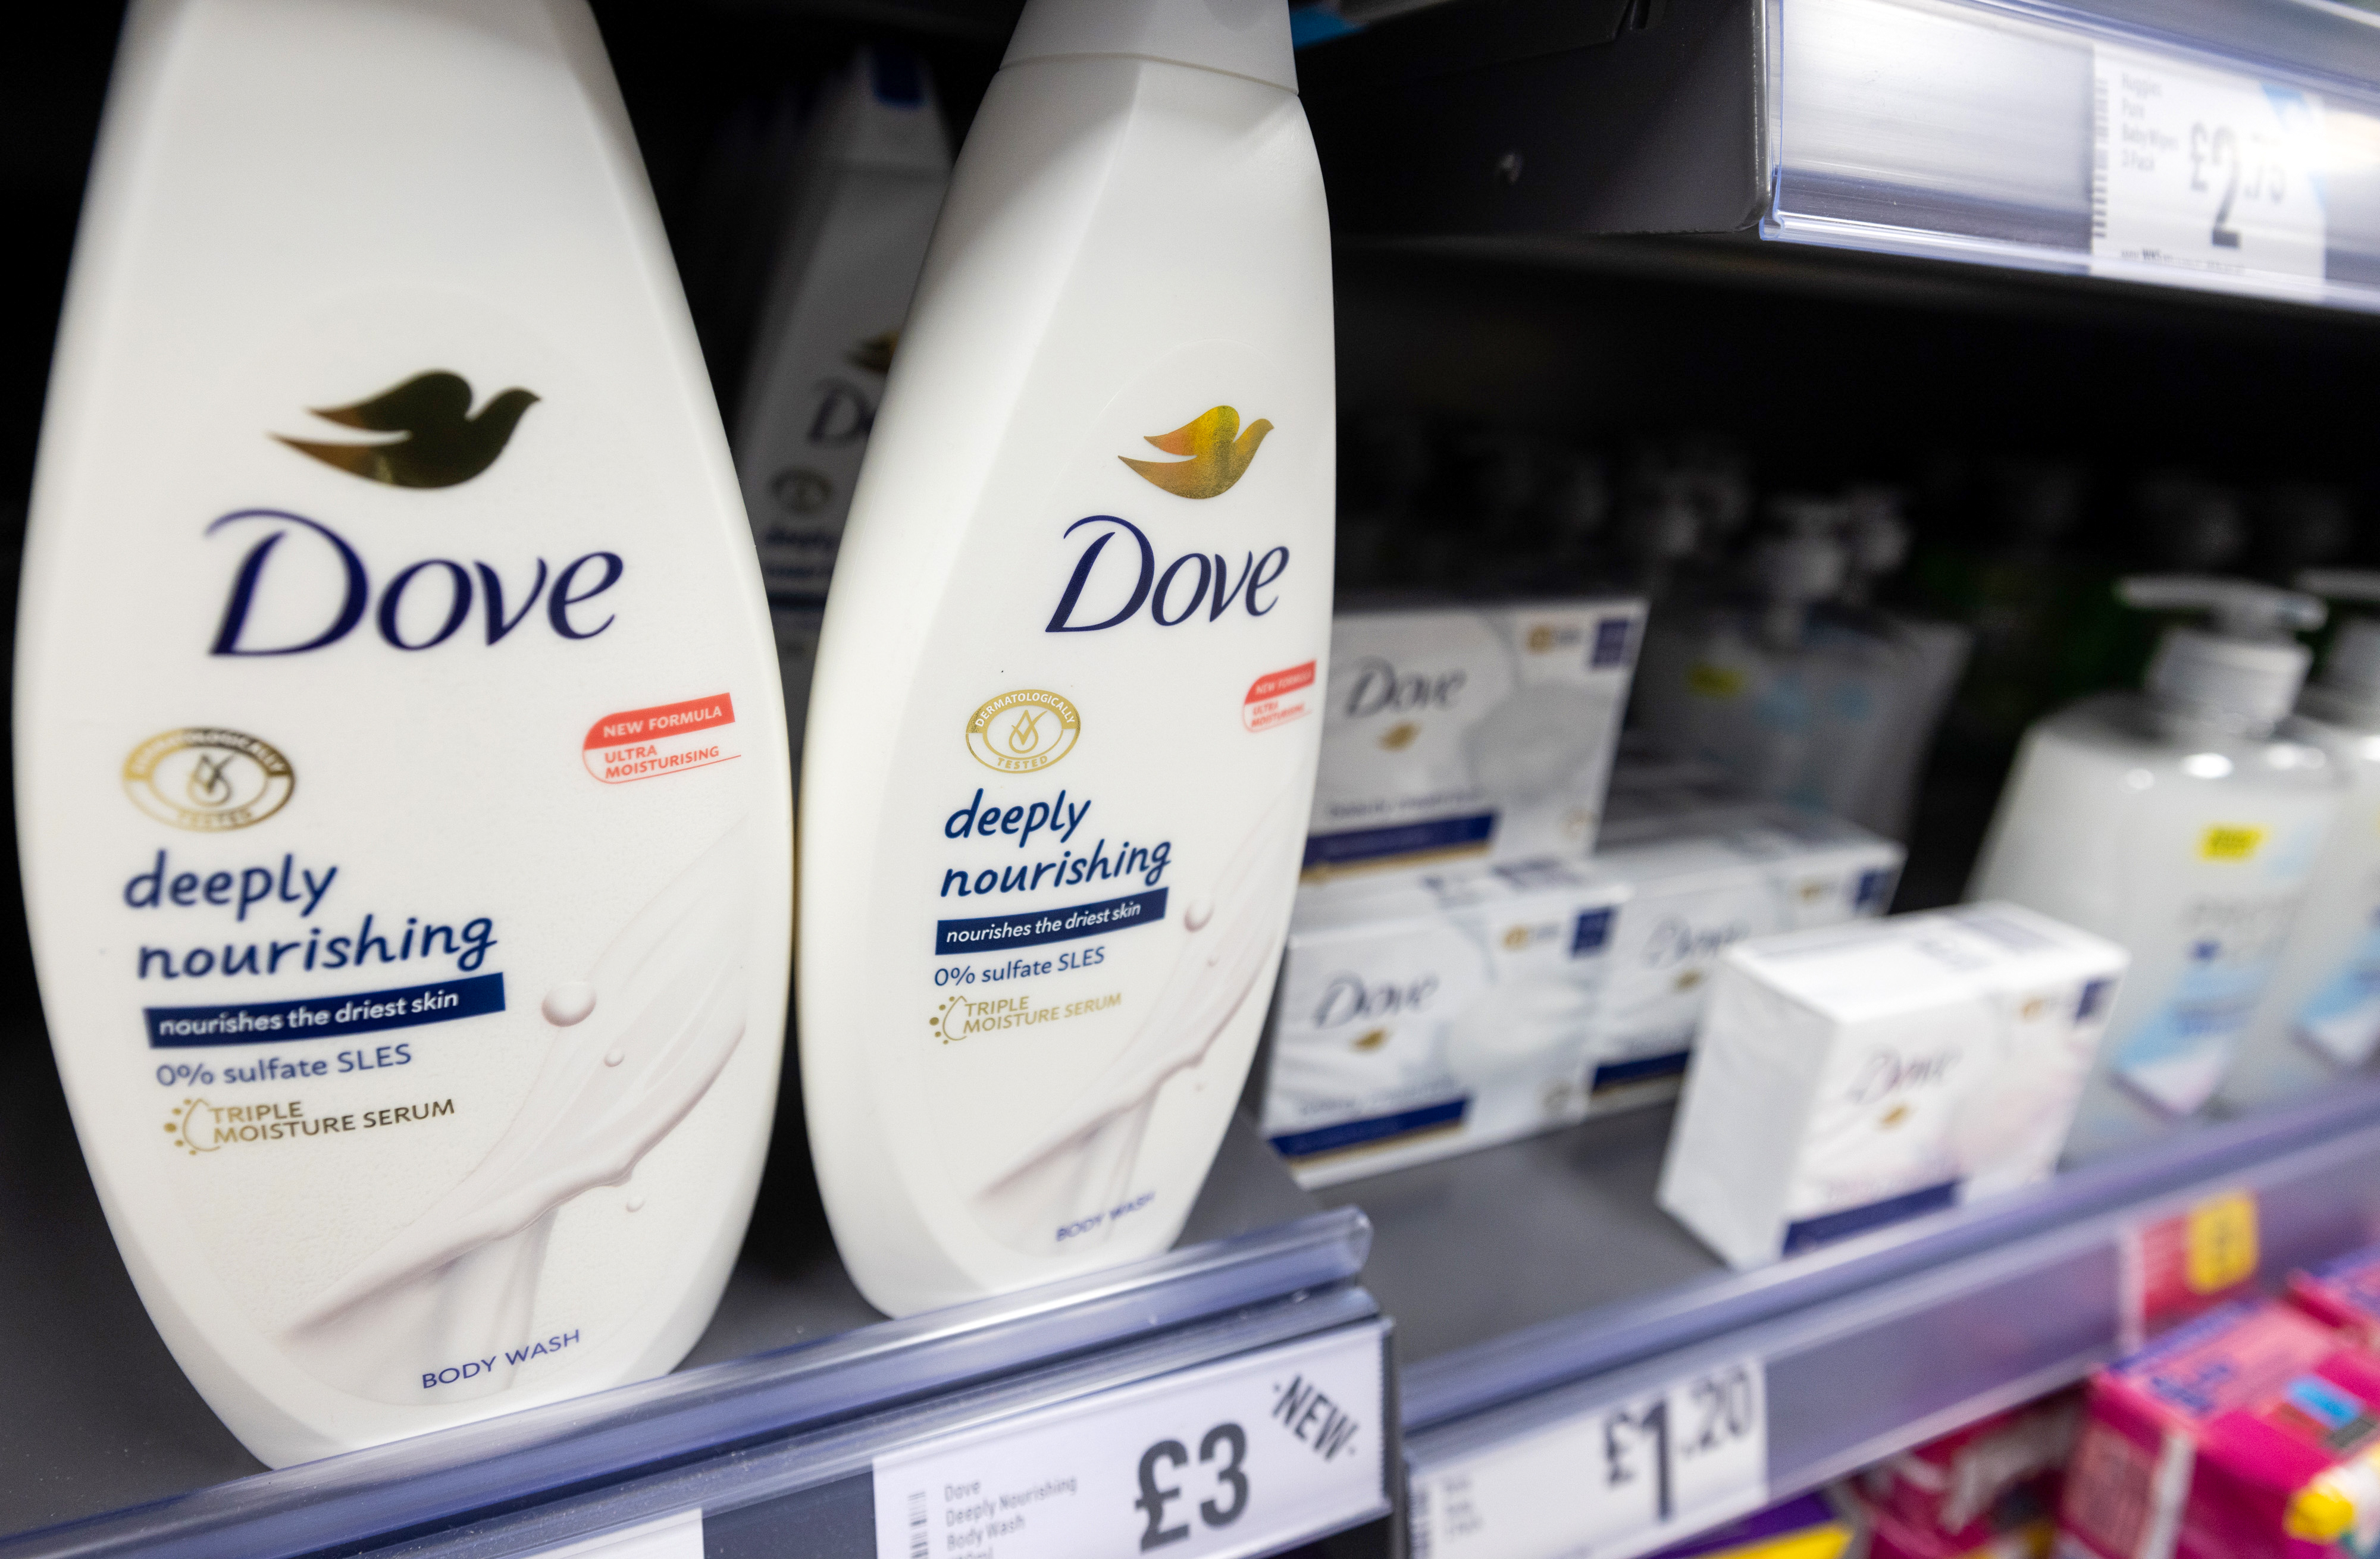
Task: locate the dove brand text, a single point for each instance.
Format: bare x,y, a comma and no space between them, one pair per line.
1379,689
1108,586
419,607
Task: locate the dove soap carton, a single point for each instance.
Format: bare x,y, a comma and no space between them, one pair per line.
1062,742
1701,877
1435,1013
1483,731
869,180
1850,1077
403,796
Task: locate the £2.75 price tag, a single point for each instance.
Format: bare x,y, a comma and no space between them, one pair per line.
1623,1478
2204,171
1243,1457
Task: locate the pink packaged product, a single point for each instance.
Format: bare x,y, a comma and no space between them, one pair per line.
2343,1294
2250,1431
1990,1487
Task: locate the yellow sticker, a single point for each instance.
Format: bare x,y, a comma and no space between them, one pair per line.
1707,681
2221,1243
2230,842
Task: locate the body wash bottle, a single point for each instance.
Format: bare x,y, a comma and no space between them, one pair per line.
2320,1017
401,784
1062,743
869,180
2182,823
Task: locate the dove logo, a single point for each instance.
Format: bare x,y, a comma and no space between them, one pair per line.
440,443
1174,594
420,607
1219,454
1348,998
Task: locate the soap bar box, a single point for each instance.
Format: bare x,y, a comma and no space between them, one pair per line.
1432,1013
2247,1433
1850,1077
1482,731
1703,875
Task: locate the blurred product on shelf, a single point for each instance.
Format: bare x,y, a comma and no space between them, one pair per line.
1851,1077
2019,582
1461,731
1988,1491
1700,878
2320,1017
1811,1525
854,215
1808,694
2343,1294
2247,1433
2184,823
1430,1014
1065,729
464,1097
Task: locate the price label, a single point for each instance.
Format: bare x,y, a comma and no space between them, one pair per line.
672,1537
2202,170
1240,1458
2186,1264
1625,1479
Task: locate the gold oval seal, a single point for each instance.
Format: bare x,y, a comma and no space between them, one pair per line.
1023,731
208,779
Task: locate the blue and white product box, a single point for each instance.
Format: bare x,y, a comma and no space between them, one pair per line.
1852,1077
1431,1014
1483,731
1701,878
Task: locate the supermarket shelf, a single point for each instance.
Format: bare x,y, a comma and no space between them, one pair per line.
1869,1347
1976,131
775,1449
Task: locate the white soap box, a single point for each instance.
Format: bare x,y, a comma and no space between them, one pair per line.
1469,731
1701,880
1430,1014
1851,1077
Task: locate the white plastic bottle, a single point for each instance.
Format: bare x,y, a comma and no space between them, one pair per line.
1062,743
869,180
2182,823
2320,1017
401,785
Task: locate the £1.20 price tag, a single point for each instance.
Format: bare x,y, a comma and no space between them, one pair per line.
1243,1457
1623,1478
2204,171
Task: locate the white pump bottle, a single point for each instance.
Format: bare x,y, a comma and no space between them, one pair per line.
402,788
2321,1016
1062,743
2183,822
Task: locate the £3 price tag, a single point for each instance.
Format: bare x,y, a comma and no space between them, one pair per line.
2204,171
1243,1457
1620,1480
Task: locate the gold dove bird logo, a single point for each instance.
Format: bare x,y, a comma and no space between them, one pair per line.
442,443
1218,453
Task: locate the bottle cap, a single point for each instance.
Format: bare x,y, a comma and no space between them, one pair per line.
1242,37
2352,668
1875,535
2247,671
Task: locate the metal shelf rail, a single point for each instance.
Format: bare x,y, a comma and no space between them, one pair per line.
1859,1350
2227,146
2219,145
778,1453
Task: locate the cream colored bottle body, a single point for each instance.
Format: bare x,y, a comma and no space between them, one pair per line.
1062,743
399,758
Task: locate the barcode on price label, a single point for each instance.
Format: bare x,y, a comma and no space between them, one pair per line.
2204,171
1623,1478
1243,1457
